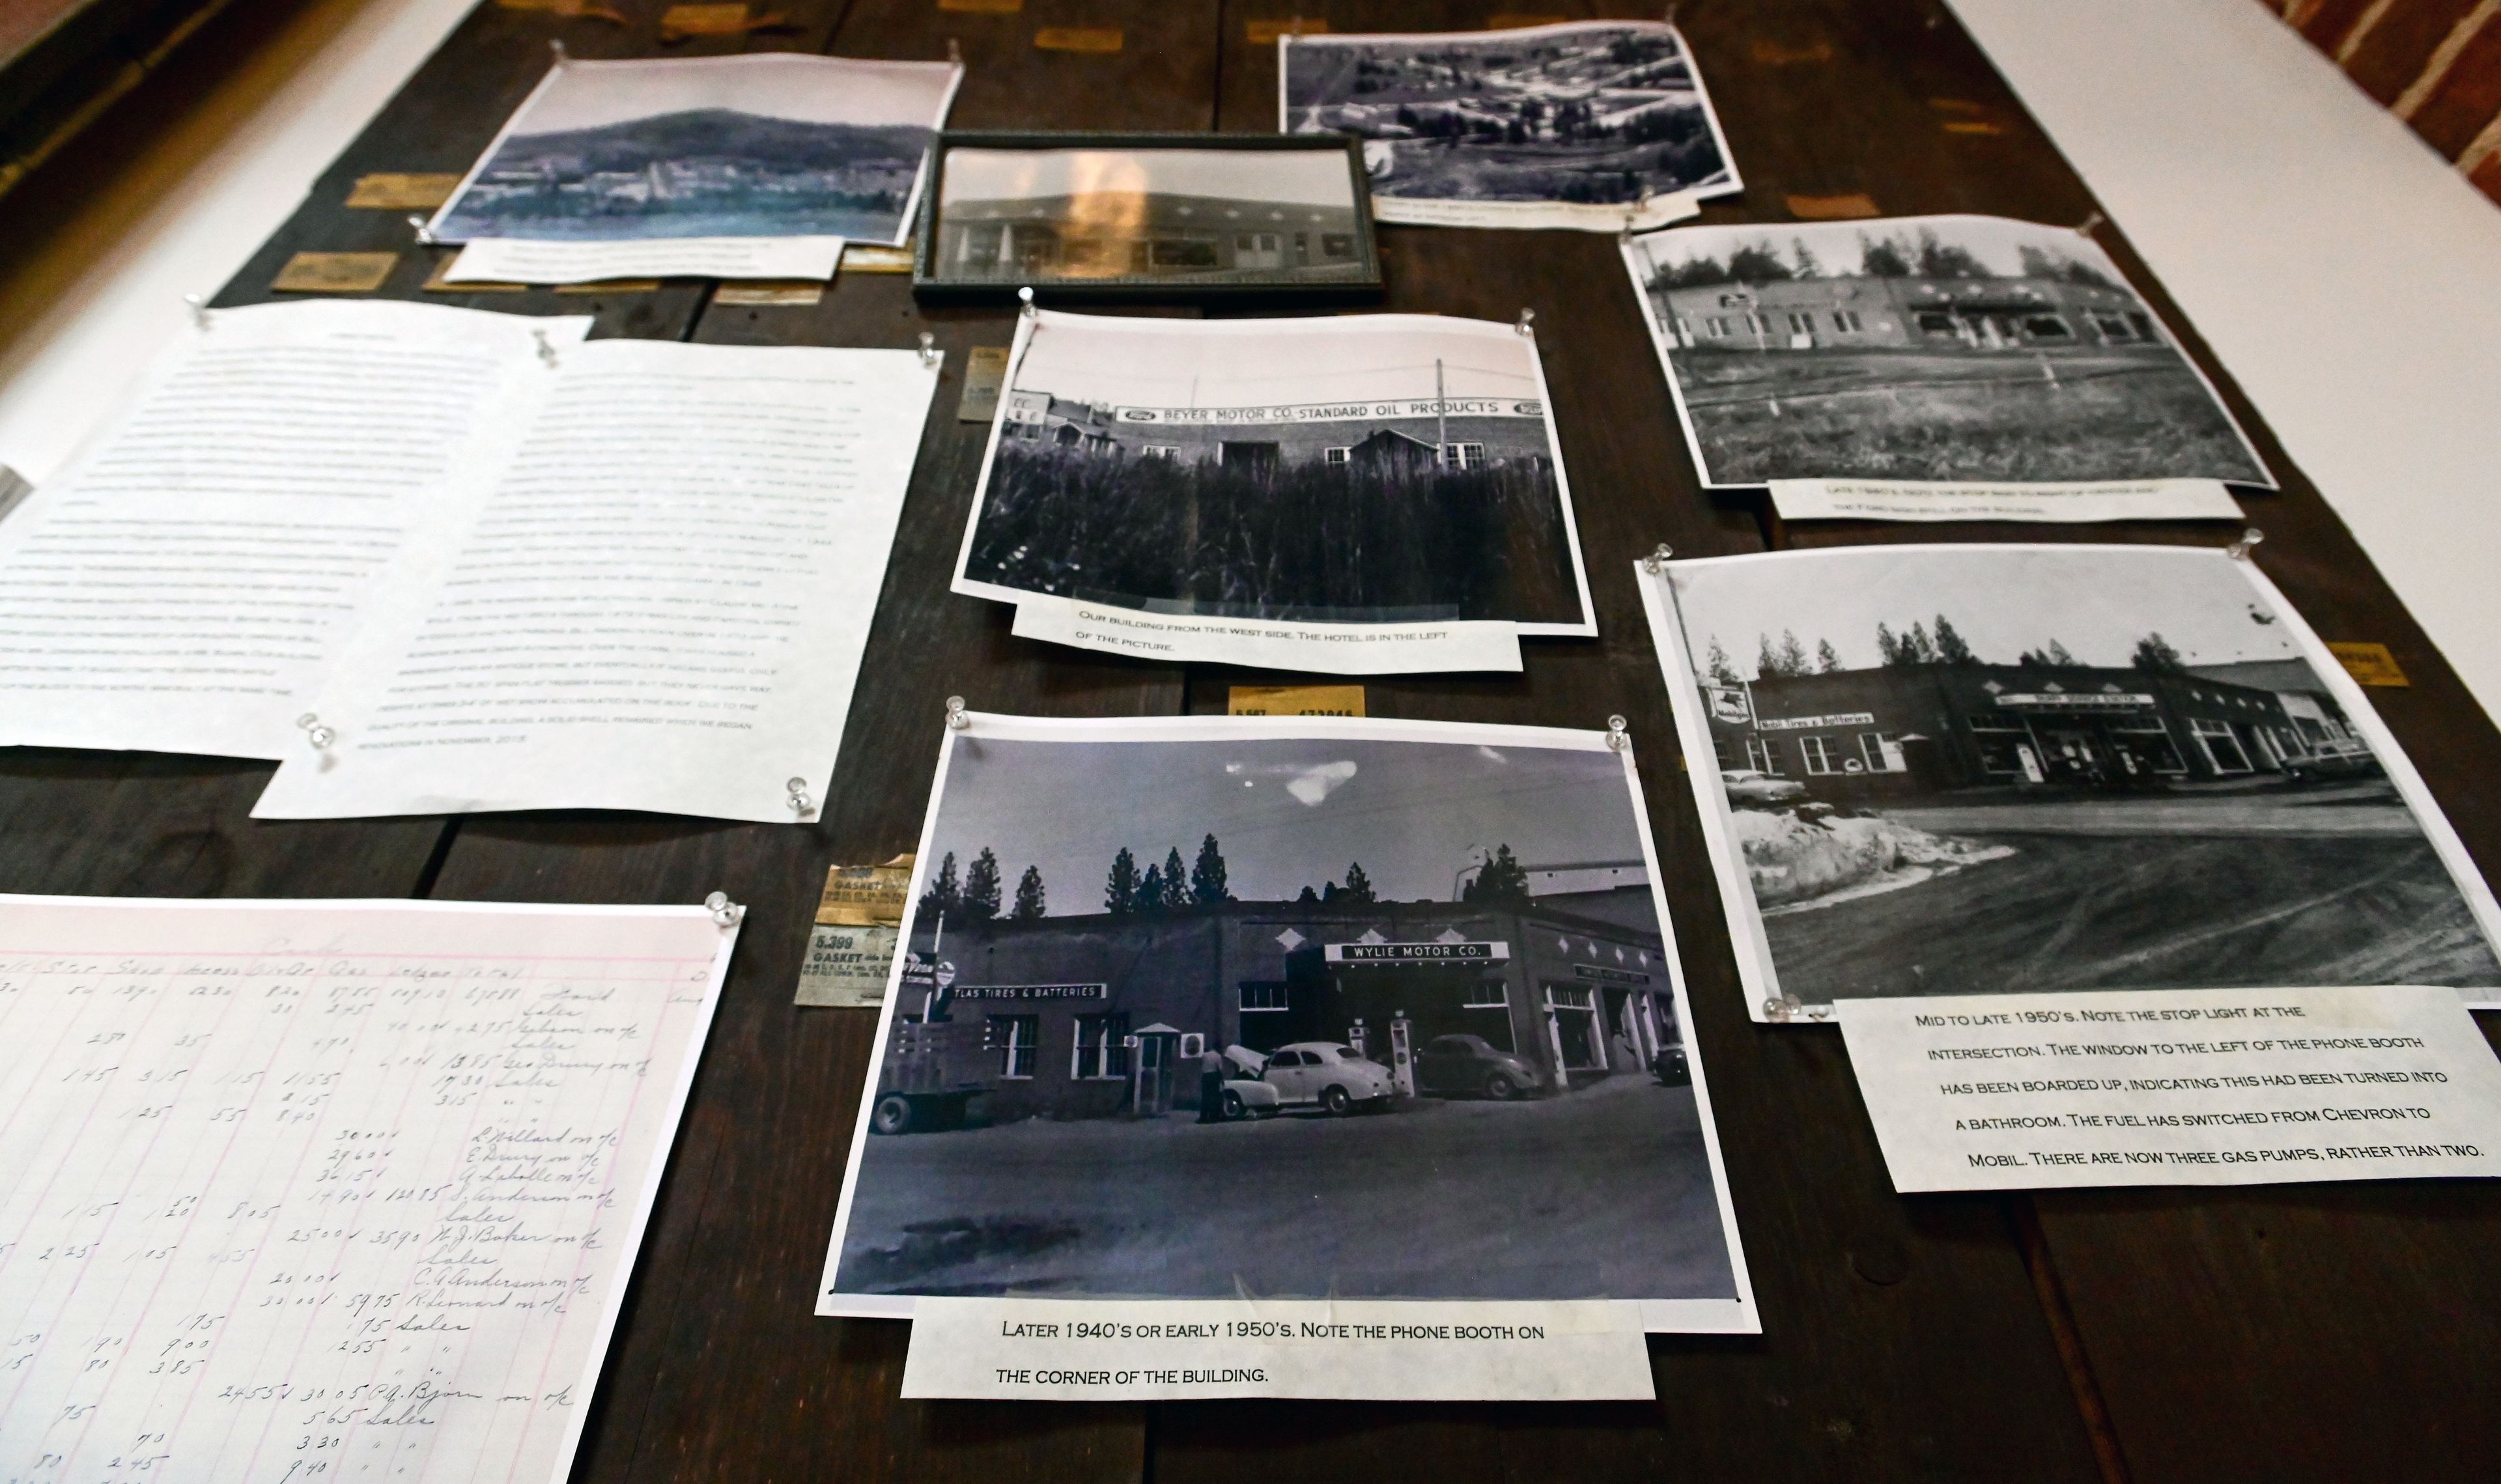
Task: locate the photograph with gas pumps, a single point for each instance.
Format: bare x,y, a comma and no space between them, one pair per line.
1291,1006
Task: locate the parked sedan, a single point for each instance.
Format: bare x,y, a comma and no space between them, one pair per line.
2333,760
1469,1066
1671,1067
1327,1076
1752,788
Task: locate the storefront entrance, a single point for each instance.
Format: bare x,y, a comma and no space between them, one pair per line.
1572,1019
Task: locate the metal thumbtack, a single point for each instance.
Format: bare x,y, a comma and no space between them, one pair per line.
1616,738
425,236
546,352
1024,296
2239,551
562,57
199,312
316,732
726,914
956,721
954,51
1657,562
1818,1013
1526,322
928,349
2093,219
800,804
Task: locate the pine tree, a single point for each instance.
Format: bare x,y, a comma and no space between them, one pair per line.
1885,258
1176,885
1150,899
2057,655
1720,670
1029,898
1503,879
1918,648
982,887
1793,655
944,894
2155,653
1808,266
1309,895
1358,886
1767,661
1827,659
1951,650
1207,877
1121,892
1887,647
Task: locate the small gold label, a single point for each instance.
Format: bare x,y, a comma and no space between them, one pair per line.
1264,33
866,895
770,293
612,286
1972,126
986,372
1510,21
2370,664
1295,701
1843,208
334,273
388,192
592,9
1771,53
982,7
1094,39
680,21
866,258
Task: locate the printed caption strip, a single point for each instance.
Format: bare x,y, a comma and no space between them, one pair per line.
850,947
2176,1087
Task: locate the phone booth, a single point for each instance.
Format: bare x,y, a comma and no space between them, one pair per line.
1152,1052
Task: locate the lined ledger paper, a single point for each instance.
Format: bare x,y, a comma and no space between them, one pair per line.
327,1191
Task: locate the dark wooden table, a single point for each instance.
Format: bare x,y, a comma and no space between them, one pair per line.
2327,1332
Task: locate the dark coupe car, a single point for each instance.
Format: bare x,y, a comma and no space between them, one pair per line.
1468,1065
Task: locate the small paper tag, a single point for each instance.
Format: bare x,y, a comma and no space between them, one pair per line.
860,258
1096,39
1511,21
769,293
1843,208
1385,1350
846,967
384,192
1264,33
334,273
985,372
1341,648
1771,53
1295,701
2174,1087
866,895
2370,664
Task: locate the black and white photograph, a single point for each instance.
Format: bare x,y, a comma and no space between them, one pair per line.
1924,349
1988,768
1146,214
766,145
1324,1007
1379,469
1602,125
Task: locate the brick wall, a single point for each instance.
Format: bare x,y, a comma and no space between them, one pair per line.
2434,64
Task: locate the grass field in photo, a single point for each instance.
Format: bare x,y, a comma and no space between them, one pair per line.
2016,416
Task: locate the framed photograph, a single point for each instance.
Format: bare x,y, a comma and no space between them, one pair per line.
1146,215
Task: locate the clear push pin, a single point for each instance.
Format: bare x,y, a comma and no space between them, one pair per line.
928,349
555,49
800,804
425,234
547,350
2239,551
1526,323
726,914
956,721
199,311
1616,738
317,732
2092,222
1782,1008
954,51
1657,562
1025,298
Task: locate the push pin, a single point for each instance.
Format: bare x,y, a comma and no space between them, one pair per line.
317,732
425,234
199,312
546,351
1616,738
1024,297
1657,562
956,721
1526,322
2092,221
929,355
1782,1008
726,914
1818,1013
800,804
954,51
2239,551
562,57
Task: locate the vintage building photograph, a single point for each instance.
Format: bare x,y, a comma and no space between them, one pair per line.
1421,986
1963,769
768,144
1359,469
1924,349
1601,113
1203,217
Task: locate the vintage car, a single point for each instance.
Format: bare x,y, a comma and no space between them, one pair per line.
1752,788
1324,1075
1246,1096
1469,1066
1671,1067
2333,760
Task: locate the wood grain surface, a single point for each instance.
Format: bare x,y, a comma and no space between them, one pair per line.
2295,1331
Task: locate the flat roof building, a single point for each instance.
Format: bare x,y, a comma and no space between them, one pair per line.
1979,313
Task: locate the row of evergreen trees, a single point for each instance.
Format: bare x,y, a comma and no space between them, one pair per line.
1926,256
1165,889
1919,647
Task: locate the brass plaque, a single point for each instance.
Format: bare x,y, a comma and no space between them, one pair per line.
1843,208
1264,33
767,292
592,9
1295,701
876,259
392,192
2370,664
985,372
1094,39
866,895
680,21
982,7
1511,21
1973,127
1771,53
334,273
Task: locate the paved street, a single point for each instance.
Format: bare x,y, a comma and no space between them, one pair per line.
2370,808
1600,1194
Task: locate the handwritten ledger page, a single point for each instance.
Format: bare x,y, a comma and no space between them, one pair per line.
327,1191
182,585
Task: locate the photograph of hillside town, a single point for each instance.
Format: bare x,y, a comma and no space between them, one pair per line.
768,144
1987,768
1379,469
1597,113
1924,349
1345,1012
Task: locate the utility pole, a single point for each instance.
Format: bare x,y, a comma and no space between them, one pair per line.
1440,419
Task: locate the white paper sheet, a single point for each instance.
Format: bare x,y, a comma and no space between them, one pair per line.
2180,1087
1896,500
1342,648
519,260
183,584
656,599
345,1189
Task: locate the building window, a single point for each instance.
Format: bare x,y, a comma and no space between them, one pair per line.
1763,755
1760,325
1160,450
2143,324
1717,325
2047,327
1937,324
1259,995
1880,752
1170,252
1683,328
1463,455
1336,455
2001,744
2221,746
2112,327
1802,323
1720,752
1013,1038
1099,1052
1487,994
2147,738
1337,244
1559,998
1846,322
1818,755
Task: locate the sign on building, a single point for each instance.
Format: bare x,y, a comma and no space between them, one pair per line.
1417,953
